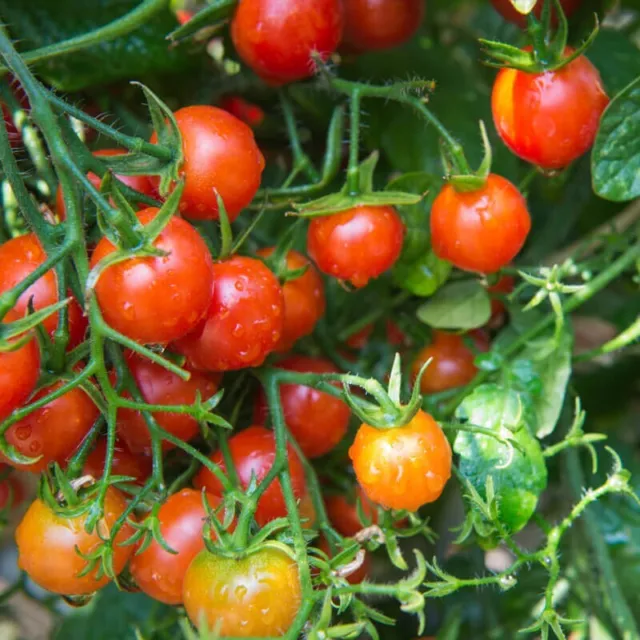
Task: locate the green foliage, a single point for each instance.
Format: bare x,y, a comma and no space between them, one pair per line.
457,306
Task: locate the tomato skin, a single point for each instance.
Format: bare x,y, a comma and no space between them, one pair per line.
54,431
220,153
20,257
255,596
315,419
356,245
46,546
157,572
157,299
277,37
480,230
504,286
19,372
549,119
244,110
304,300
343,514
403,467
380,24
244,322
159,386
124,462
509,12
253,452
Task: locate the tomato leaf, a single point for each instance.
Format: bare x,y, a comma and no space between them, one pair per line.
459,305
615,160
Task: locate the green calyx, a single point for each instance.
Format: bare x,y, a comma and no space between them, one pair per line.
468,181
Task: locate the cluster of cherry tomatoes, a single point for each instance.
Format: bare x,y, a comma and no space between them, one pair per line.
233,313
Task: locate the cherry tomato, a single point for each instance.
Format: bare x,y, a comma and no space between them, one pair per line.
159,386
11,489
253,452
504,286
511,14
480,230
395,336
157,572
315,419
355,577
402,467
19,372
54,431
157,299
139,183
343,514
276,38
307,512
244,110
244,322
451,363
550,118
48,546
124,462
19,258
220,154
380,24
304,301
358,244
254,596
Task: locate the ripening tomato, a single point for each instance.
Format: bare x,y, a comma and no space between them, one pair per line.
157,299
11,489
253,452
304,301
503,287
257,595
402,467
451,363
54,431
48,546
157,572
243,324
19,372
19,258
549,118
277,37
355,576
481,230
124,462
358,244
343,514
315,419
506,9
380,24
159,386
244,110
220,155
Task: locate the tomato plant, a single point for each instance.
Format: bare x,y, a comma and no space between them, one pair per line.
506,9
124,462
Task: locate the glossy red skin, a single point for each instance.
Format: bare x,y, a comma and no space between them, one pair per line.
511,14
157,299
356,245
220,153
503,287
304,300
159,386
244,322
380,24
21,256
157,572
480,230
549,119
277,37
48,546
54,431
343,514
139,183
124,462
315,419
244,110
253,452
19,372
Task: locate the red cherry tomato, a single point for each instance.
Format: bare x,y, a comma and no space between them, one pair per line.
380,24
358,244
480,230
304,301
511,14
48,546
315,419
550,118
255,596
277,37
54,431
243,324
358,575
124,462
11,489
19,372
157,572
244,110
159,386
343,514
503,287
158,299
220,154
395,336
19,258
402,467
253,452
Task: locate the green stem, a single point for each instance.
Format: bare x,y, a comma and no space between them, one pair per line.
629,335
353,172
301,161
